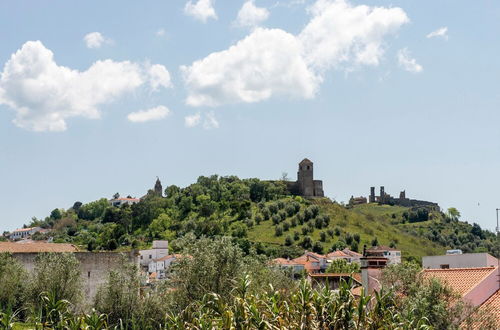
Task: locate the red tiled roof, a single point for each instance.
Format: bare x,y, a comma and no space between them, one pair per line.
36,247
337,254
487,313
351,253
314,254
461,280
24,229
170,256
283,261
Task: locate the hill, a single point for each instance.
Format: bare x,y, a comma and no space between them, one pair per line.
263,216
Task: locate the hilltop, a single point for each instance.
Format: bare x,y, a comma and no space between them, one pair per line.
261,216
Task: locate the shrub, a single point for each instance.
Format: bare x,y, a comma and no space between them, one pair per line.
286,226
306,242
322,236
337,231
288,240
258,219
305,230
318,248
348,239
278,231
356,237
296,236
330,232
276,219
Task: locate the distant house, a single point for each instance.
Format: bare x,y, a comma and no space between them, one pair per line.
23,233
123,200
355,256
159,267
465,260
393,255
477,286
159,250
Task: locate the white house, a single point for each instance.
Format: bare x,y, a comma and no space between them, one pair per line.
23,233
162,265
393,255
466,260
123,200
159,250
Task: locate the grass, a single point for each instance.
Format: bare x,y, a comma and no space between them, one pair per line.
368,220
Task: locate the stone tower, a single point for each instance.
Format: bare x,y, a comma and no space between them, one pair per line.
372,195
306,185
305,178
158,190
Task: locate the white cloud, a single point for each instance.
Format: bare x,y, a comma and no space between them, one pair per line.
439,33
192,120
273,62
159,76
44,94
143,116
267,62
96,40
251,15
161,32
341,33
407,62
210,121
202,10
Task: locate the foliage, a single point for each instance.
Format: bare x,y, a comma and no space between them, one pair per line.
342,266
13,286
56,275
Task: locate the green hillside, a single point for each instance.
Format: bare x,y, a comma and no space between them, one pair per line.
263,217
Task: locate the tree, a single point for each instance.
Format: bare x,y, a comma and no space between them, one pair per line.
375,241
57,274
318,248
56,214
453,214
342,266
13,286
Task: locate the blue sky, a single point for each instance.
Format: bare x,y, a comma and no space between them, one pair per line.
404,94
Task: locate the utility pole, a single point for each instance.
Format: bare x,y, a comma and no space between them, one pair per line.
498,242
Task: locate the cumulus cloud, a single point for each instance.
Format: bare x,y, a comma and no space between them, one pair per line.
143,116
44,95
273,62
407,62
251,15
208,120
96,40
159,77
439,33
192,120
202,10
341,33
267,62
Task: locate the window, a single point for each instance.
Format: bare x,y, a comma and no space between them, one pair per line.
150,256
88,274
142,257
308,167
446,266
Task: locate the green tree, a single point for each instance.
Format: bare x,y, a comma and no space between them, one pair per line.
453,214
342,266
13,286
57,274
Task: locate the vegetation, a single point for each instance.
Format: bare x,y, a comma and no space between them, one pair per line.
219,286
263,216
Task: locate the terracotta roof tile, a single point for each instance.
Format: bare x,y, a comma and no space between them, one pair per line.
488,312
337,254
36,247
462,280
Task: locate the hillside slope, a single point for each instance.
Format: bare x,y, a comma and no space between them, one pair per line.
261,215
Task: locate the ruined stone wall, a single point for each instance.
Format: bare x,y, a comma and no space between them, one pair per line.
94,267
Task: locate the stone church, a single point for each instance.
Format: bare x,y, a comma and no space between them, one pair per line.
305,185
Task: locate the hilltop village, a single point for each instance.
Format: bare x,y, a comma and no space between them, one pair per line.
303,235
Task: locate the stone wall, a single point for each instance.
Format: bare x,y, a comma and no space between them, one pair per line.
94,267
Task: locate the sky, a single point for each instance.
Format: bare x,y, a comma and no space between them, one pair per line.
99,97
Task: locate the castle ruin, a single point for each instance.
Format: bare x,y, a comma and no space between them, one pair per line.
305,185
385,198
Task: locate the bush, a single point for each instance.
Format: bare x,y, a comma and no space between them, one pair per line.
375,241
318,223
356,237
286,226
276,219
288,240
57,274
348,239
293,222
305,230
337,231
318,248
258,219
13,286
296,236
306,242
282,215
330,232
278,231
322,236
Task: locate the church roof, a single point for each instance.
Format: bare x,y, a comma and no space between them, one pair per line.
305,161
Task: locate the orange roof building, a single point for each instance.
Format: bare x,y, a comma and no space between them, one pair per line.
12,247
